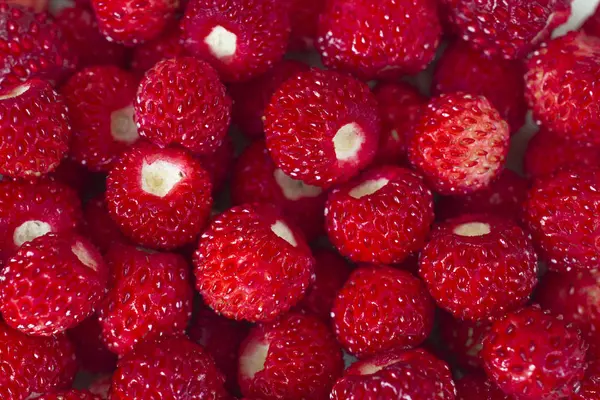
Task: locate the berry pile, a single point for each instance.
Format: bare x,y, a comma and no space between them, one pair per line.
298,199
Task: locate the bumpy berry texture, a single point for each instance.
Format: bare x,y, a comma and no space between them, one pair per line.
381,216
34,127
562,212
478,266
99,227
322,127
463,340
390,38
534,355
304,19
251,264
100,103
92,354
182,102
510,29
160,198
150,296
560,77
166,46
240,38
296,357
590,386
478,387
70,395
460,143
381,308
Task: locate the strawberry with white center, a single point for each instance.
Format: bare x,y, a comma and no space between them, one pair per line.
160,198
322,127
251,264
51,284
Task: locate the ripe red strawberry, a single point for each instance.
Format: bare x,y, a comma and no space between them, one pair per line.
33,46
400,107
460,143
250,99
29,210
100,102
381,216
33,365
381,308
150,296
51,284
560,77
72,394
34,128
98,225
166,46
295,357
92,354
463,340
478,387
131,22
511,28
412,374
322,127
592,25
172,368
390,38
534,355
257,179
242,39
304,18
219,164
562,212
590,386
251,264
160,198
182,102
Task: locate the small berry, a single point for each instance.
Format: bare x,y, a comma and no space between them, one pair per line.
463,340
72,394
99,227
92,354
478,387
147,55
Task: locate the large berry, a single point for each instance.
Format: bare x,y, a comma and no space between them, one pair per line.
389,39
381,216
160,198
463,340
460,143
147,55
381,308
294,358
72,394
182,102
478,387
99,227
251,264
534,355
322,127
92,354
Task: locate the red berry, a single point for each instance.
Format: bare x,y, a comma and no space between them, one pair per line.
160,198
510,29
381,308
295,357
304,18
322,127
219,164
534,355
150,296
561,85
478,266
242,39
92,353
100,102
460,143
478,387
148,54
252,265
390,38
182,102
381,216
463,340
590,386
592,25
562,212
34,128
99,226
72,394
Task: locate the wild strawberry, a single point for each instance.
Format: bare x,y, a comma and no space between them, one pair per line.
534,355
160,198
478,266
130,22
381,216
251,264
478,387
560,77
381,308
460,143
257,179
412,374
510,29
99,227
149,296
463,340
390,39
242,39
322,127
592,25
590,386
181,101
219,164
172,368
92,354
34,128
304,18
100,102
295,357
562,212
147,55
72,394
